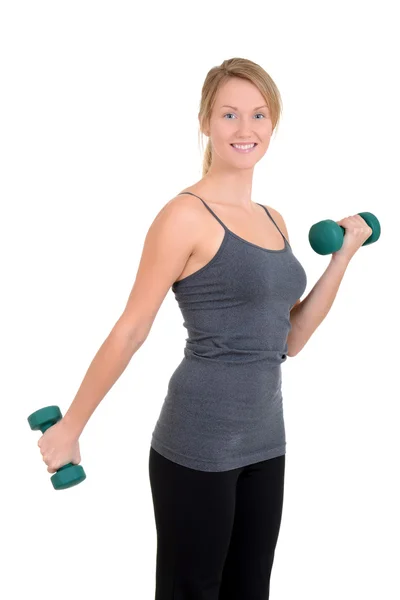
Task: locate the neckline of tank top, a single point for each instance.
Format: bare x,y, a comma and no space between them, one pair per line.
271,250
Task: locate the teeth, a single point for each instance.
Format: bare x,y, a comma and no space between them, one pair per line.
243,147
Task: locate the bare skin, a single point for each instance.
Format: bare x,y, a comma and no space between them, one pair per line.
256,228
183,238
227,187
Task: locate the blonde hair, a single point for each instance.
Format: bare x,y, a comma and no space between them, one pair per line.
236,67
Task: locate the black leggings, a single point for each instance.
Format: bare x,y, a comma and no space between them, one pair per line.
216,531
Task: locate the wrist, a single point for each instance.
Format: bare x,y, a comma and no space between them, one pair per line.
73,427
340,259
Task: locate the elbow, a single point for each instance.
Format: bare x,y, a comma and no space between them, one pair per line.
294,352
290,348
295,342
135,335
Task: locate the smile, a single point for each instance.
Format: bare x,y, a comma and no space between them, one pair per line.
244,148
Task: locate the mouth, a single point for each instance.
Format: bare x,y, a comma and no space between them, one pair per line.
244,148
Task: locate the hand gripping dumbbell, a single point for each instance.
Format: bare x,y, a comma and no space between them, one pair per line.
70,474
327,236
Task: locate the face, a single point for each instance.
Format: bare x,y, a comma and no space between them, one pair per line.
239,116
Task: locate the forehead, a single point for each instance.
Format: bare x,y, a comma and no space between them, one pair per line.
240,93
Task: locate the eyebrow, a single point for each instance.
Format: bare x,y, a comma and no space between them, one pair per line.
236,108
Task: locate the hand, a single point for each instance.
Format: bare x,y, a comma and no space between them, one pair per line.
357,231
59,446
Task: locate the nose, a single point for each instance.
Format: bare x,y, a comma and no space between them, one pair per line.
245,129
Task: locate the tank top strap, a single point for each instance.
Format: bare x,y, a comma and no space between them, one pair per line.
270,216
206,205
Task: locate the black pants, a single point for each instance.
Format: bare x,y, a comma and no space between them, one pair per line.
216,531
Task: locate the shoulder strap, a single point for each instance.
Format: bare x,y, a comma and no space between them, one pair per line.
270,216
206,205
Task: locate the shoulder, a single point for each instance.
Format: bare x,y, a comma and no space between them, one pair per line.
188,211
181,206
178,216
185,209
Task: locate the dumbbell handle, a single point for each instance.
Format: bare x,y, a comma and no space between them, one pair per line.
327,236
44,427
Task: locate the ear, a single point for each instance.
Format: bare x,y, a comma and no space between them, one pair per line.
206,131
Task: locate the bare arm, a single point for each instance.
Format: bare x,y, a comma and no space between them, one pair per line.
167,247
308,314
105,369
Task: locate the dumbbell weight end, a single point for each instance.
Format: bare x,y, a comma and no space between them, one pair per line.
327,236
68,475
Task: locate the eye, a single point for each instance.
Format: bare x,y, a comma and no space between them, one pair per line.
226,114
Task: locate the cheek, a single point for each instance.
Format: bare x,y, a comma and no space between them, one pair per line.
223,130
222,137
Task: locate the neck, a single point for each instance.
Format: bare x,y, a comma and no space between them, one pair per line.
229,187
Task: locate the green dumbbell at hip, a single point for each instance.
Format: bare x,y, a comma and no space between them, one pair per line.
70,474
327,236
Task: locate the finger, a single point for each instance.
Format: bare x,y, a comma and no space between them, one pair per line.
365,224
343,221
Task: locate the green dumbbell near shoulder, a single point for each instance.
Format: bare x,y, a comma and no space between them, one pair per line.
327,236
70,474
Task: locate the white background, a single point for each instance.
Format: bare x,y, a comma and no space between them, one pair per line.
99,105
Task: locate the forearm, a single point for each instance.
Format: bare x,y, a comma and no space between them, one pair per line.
105,369
310,312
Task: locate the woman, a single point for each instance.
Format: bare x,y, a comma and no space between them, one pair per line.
217,455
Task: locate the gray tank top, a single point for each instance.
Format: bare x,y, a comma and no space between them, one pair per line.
223,407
